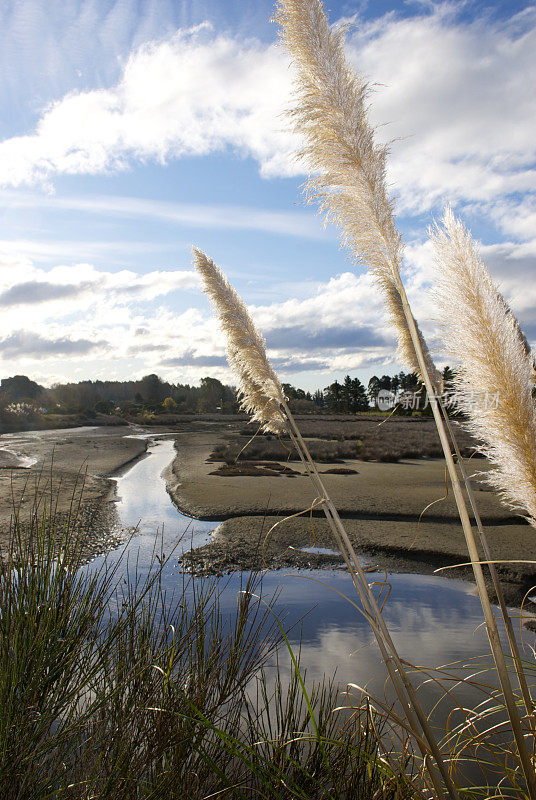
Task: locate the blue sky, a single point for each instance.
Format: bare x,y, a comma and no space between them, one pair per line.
131,130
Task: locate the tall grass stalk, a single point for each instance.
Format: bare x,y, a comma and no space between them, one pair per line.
234,317
512,641
330,113
259,389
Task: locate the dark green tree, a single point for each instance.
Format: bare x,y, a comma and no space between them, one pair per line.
318,398
373,388
346,395
152,389
358,397
333,397
20,387
214,396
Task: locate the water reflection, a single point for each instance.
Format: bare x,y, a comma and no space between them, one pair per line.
433,620
431,623
144,503
147,515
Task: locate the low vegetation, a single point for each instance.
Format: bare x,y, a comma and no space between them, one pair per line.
335,439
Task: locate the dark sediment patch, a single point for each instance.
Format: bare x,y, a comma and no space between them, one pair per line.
269,469
273,542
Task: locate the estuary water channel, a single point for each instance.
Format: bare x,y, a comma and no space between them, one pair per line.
433,620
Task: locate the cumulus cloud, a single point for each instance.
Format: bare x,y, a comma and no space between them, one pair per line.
132,322
347,301
92,286
456,94
452,94
80,310
191,94
126,324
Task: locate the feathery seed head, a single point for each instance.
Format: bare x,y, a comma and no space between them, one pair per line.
259,389
496,371
350,186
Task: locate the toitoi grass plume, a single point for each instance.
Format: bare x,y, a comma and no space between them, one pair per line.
350,186
496,372
259,389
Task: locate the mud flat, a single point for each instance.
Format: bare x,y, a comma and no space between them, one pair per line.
381,505
73,467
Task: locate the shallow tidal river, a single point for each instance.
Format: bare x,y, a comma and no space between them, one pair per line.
433,620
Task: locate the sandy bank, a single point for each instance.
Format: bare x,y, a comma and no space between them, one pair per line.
400,490
381,505
70,465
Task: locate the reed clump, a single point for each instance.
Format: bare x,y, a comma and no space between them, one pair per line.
112,688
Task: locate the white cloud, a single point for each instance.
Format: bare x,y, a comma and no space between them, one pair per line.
42,311
456,94
453,94
130,320
517,218
189,95
33,286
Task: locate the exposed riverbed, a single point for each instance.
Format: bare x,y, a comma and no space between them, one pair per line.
401,513
71,466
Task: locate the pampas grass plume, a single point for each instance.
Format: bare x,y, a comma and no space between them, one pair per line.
331,116
483,335
259,389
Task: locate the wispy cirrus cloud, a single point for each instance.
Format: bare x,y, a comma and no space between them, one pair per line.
48,49
192,215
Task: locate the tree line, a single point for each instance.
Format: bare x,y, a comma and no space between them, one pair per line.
19,395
